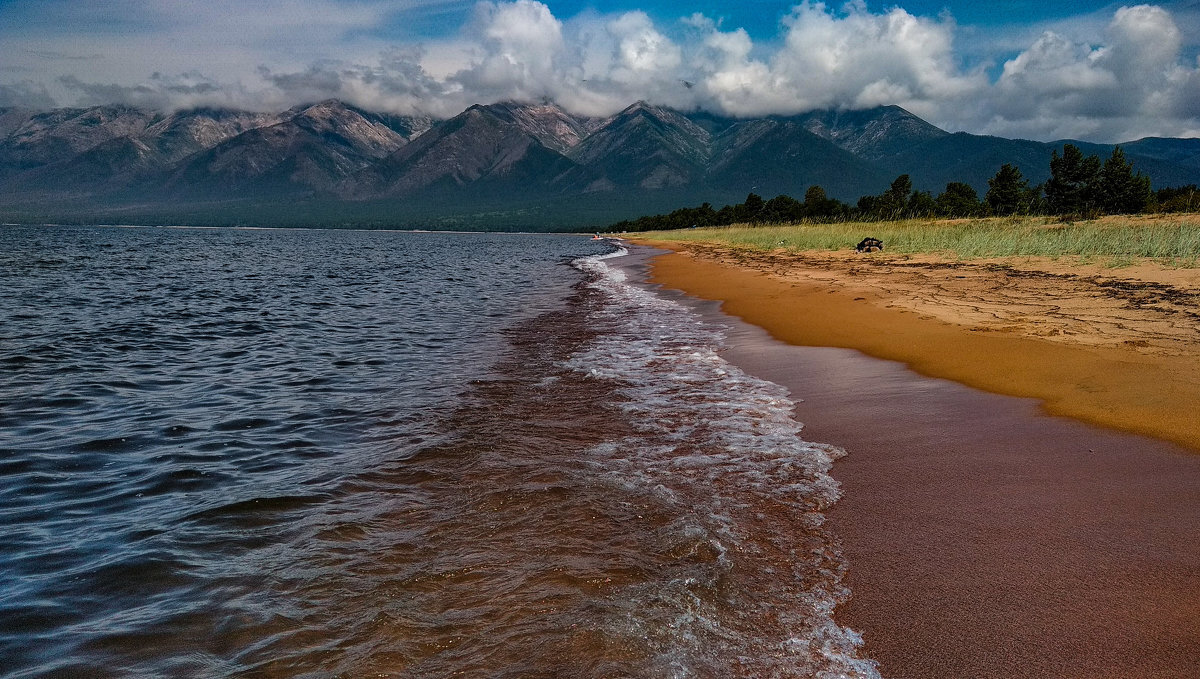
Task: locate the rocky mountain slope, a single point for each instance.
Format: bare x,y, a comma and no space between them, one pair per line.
646,147
312,149
481,150
534,162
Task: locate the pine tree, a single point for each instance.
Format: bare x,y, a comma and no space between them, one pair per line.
750,210
815,195
959,200
817,204
921,204
1009,192
1120,191
895,199
782,208
1074,186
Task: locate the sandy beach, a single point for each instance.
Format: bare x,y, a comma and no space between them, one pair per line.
1022,490
1115,347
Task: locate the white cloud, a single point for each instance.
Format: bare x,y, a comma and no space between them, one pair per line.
395,82
519,54
642,52
1145,43
830,59
1123,80
1130,85
615,60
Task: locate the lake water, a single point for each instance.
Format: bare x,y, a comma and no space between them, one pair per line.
259,453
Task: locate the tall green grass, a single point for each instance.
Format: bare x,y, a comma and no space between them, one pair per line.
1174,239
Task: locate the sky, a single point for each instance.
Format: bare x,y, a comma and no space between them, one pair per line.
1034,69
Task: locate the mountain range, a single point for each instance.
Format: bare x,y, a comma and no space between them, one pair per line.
503,166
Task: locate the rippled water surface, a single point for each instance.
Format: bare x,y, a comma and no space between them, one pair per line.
332,453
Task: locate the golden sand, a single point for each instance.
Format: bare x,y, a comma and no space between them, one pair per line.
1117,347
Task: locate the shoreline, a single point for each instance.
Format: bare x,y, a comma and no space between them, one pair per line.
985,538
1106,348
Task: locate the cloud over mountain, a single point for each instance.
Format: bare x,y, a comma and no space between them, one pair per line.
1134,78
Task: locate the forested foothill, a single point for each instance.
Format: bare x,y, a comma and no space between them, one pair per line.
1079,187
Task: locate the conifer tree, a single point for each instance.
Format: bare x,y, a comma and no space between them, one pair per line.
1121,191
1009,192
750,210
893,202
782,208
921,204
817,204
959,200
1074,186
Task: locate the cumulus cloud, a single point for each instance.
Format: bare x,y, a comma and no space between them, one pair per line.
519,53
1132,84
1118,82
618,59
830,59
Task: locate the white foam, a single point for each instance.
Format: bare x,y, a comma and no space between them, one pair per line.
708,435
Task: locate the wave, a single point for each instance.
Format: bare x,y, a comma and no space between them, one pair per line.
753,578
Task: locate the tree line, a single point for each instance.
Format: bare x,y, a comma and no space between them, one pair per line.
1079,185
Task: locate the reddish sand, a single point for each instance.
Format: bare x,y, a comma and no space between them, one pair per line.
985,538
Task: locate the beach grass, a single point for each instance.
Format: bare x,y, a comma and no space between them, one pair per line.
1115,241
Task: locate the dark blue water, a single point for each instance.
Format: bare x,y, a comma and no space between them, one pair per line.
332,453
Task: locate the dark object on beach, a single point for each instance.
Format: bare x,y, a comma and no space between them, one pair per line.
869,245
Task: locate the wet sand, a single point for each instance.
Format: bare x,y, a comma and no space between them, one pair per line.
986,538
1114,350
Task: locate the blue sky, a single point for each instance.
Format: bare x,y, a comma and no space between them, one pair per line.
761,18
1034,69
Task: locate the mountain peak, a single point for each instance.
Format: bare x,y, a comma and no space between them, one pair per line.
336,104
546,122
872,133
642,106
647,146
328,108
508,153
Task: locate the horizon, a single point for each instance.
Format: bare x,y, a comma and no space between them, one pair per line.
1102,72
